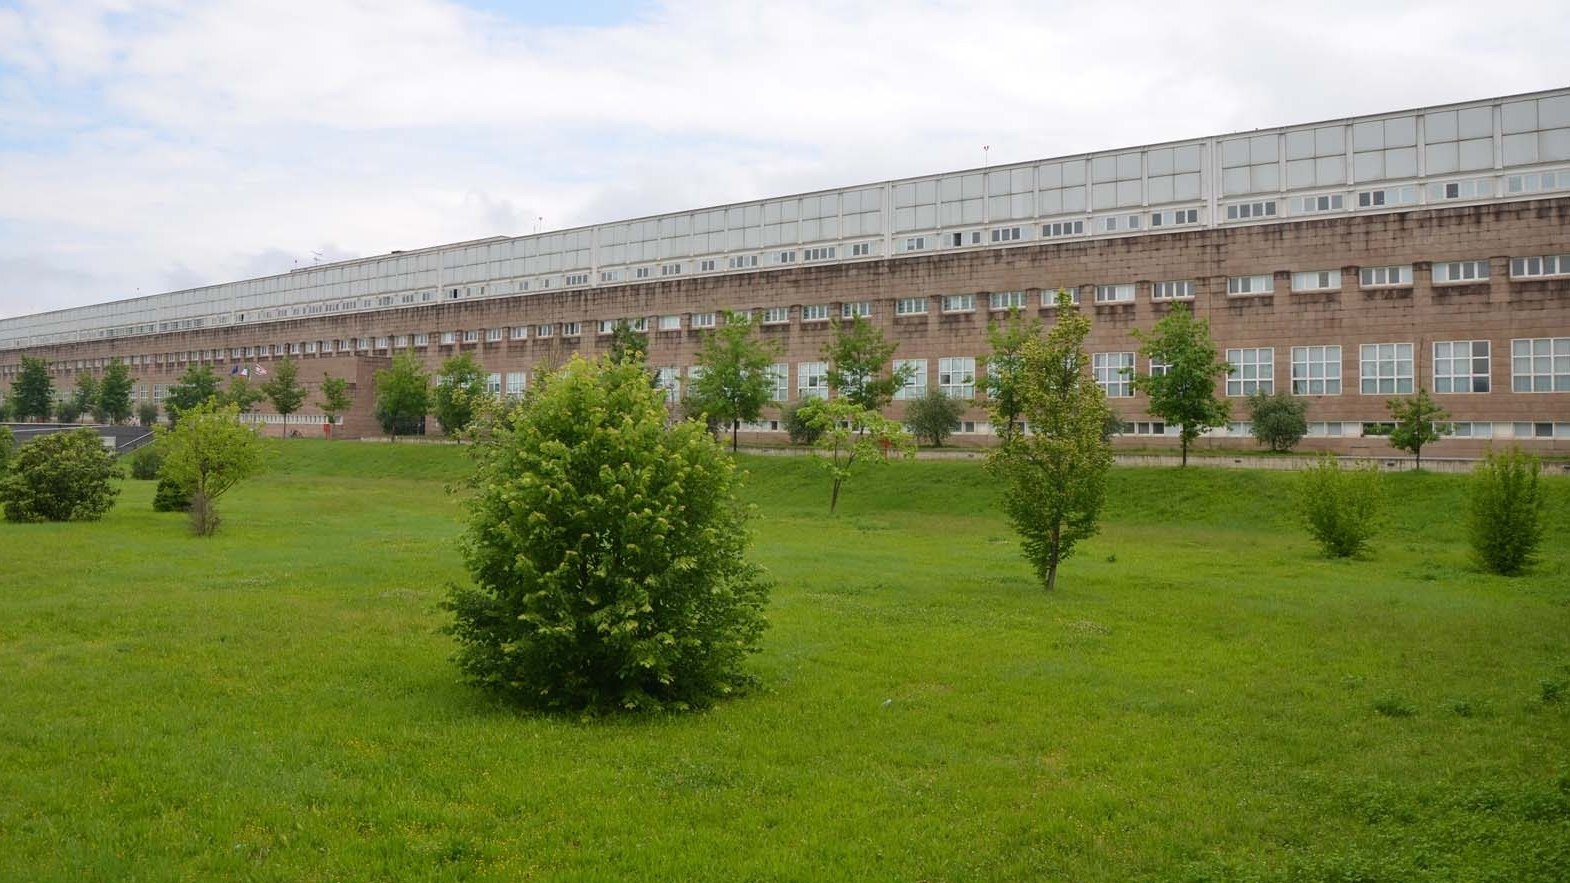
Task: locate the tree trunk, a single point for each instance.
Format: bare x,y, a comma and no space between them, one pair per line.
1052,565
834,498
1184,441
734,427
1419,455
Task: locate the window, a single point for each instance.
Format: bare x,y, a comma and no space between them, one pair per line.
492,335
1476,188
670,323
609,275
1251,284
1120,222
860,249
916,384
1472,430
1174,218
1115,294
1006,234
787,257
1175,290
910,306
669,379
1006,300
422,340
640,273
1253,370
780,373
471,337
1387,369
1541,430
519,332
568,329
812,380
545,330
957,377
1313,204
1379,277
381,343
815,313
857,310
706,266
1159,368
517,382
1540,364
702,320
1389,196
670,270
1326,430
577,278
1461,365
1316,280
1063,228
776,315
916,243
742,261
640,324
1460,271
607,326
962,238
1243,211
959,303
1316,370
493,385
822,253
1537,181
1114,373
1548,265
1049,296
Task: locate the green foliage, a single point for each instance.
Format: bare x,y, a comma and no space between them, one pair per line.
403,395
735,381
627,346
283,389
84,398
1416,423
171,496
5,409
1505,511
7,445
241,394
1342,508
858,358
67,411
1185,394
796,426
1056,476
64,476
147,413
934,416
460,391
1004,369
114,394
196,386
1277,421
32,393
335,396
849,436
607,551
146,461
208,452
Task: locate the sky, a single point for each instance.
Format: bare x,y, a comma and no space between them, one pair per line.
154,145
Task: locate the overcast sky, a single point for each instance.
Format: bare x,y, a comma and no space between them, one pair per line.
151,145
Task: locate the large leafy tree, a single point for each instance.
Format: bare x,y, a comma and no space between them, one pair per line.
1004,369
64,476
1417,423
114,394
934,417
335,397
628,345
84,399
33,394
403,395
1056,476
608,553
1183,390
207,453
460,391
734,382
850,437
283,389
242,394
196,386
858,357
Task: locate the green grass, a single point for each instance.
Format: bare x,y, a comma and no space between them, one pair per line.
1203,699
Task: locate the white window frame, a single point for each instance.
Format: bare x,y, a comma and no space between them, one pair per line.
1049,296
957,376
1540,364
959,303
1253,370
1006,300
1537,267
1114,373
1460,272
1451,369
1173,289
1251,286
812,380
776,315
1393,371
1316,370
911,306
815,313
1316,280
1121,293
916,386
856,309
1384,277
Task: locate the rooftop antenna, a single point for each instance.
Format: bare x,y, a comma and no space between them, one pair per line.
537,222
986,157
316,257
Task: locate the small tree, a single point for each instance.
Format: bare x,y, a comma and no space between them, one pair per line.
335,398
240,393
1277,421
84,399
32,395
797,428
1183,390
1056,477
1004,369
1342,508
736,380
147,413
1505,511
849,435
67,411
627,346
207,453
114,394
460,390
858,358
196,386
934,416
1416,423
403,395
146,462
63,476
607,550
284,390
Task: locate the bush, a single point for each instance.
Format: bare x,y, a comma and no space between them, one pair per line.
7,443
147,413
60,477
934,416
146,462
607,553
208,452
1505,511
1279,421
171,496
801,432
1342,508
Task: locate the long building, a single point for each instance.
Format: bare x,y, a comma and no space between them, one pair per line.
1347,261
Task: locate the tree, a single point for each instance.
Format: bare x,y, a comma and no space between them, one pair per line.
1056,476
207,453
934,416
66,410
335,398
114,394
403,395
460,390
1342,508
627,345
1505,511
848,435
796,428
63,476
147,413
84,399
736,380
196,386
1004,367
1416,423
1277,421
32,395
283,390
607,550
858,356
7,444
1183,392
240,393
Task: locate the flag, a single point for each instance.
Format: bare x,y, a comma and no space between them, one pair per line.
235,370
260,370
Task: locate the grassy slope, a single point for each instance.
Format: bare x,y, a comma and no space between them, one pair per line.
1198,701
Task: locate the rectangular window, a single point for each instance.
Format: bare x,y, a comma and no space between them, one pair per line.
471,337
1476,188
607,326
517,382
1388,196
703,320
1251,284
959,303
669,379
776,315
1547,265
962,238
670,323
422,340
1384,277
1316,370
1063,228
1049,296
670,270
1114,373
381,343
1181,289
787,257
519,332
640,324
1387,369
577,278
1159,368
1461,365
1174,218
821,253
916,243
815,313
1244,211
1115,294
1309,205
706,266
916,384
609,275
957,377
1253,370
1006,234
493,384
1006,300
812,380
742,261
1460,271
910,306
1316,280
1540,364
641,273
541,331
860,249
857,310
493,334
568,329
780,373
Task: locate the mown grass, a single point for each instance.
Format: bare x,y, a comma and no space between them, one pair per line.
1203,699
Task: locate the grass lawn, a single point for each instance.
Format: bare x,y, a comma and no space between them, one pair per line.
1203,699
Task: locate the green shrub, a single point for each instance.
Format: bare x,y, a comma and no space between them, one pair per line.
934,416
1342,508
7,443
1277,421
607,553
171,496
147,413
1505,511
60,477
801,431
145,462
